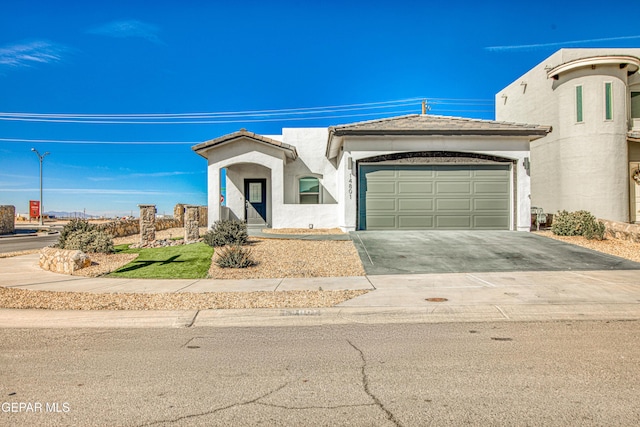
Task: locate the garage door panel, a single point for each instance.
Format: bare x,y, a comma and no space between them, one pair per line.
415,187
382,173
453,172
491,205
417,172
453,222
376,204
491,172
435,197
381,222
378,187
491,188
453,205
490,222
453,187
415,221
415,204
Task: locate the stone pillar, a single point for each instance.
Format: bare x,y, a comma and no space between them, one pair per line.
204,215
147,224
7,219
178,213
191,223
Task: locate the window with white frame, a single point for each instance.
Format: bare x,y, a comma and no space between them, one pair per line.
309,190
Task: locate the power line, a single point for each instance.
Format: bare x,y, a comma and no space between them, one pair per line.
249,116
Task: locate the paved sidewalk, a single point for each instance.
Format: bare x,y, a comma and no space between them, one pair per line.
468,297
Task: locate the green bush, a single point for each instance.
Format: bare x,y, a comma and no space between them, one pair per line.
92,241
227,232
73,226
78,234
579,223
234,256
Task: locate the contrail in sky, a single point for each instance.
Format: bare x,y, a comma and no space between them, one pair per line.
543,45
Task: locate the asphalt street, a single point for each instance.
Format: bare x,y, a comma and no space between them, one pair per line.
25,243
526,373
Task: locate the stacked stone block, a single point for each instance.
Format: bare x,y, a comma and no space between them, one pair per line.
7,219
147,224
191,223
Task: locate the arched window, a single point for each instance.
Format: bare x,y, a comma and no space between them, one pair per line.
309,190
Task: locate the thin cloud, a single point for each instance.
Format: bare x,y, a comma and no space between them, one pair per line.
28,54
561,44
160,174
128,29
91,191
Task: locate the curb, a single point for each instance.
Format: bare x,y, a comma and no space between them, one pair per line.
30,318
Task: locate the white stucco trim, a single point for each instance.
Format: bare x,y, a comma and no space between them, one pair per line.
630,61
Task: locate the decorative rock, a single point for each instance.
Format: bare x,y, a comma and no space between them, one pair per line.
62,260
622,230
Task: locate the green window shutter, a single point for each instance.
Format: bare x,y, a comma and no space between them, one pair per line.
608,101
579,104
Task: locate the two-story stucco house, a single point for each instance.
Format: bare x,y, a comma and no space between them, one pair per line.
409,172
591,99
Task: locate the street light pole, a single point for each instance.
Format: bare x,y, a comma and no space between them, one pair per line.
41,157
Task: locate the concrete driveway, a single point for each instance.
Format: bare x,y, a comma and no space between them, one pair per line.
414,252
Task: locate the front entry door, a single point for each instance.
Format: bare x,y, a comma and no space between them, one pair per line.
255,195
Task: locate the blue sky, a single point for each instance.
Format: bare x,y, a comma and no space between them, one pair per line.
111,88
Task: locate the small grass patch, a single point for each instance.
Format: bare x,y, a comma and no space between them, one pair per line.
173,262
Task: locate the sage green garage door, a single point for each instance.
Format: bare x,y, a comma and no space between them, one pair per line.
460,197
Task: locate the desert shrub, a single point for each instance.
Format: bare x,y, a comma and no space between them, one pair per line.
234,256
73,226
92,241
579,223
227,232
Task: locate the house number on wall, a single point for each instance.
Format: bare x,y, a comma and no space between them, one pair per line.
350,186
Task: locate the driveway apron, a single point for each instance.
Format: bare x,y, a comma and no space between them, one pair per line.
414,252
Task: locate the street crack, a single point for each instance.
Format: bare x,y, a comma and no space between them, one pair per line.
367,390
213,411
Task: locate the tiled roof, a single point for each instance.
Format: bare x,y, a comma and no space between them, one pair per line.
416,124
243,133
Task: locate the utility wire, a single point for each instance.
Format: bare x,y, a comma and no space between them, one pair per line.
251,116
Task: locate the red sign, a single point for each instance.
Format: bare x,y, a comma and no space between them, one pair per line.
34,209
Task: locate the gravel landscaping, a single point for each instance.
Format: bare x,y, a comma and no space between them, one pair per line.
295,258
620,248
275,258
302,231
26,299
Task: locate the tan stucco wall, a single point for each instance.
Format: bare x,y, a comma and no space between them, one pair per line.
578,165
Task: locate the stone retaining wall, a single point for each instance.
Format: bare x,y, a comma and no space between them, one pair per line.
622,230
7,219
62,260
123,228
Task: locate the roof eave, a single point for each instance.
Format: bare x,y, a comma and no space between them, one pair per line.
537,132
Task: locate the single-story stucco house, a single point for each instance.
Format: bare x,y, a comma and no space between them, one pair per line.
591,98
410,172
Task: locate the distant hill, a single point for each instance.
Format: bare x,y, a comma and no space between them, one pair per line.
59,214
